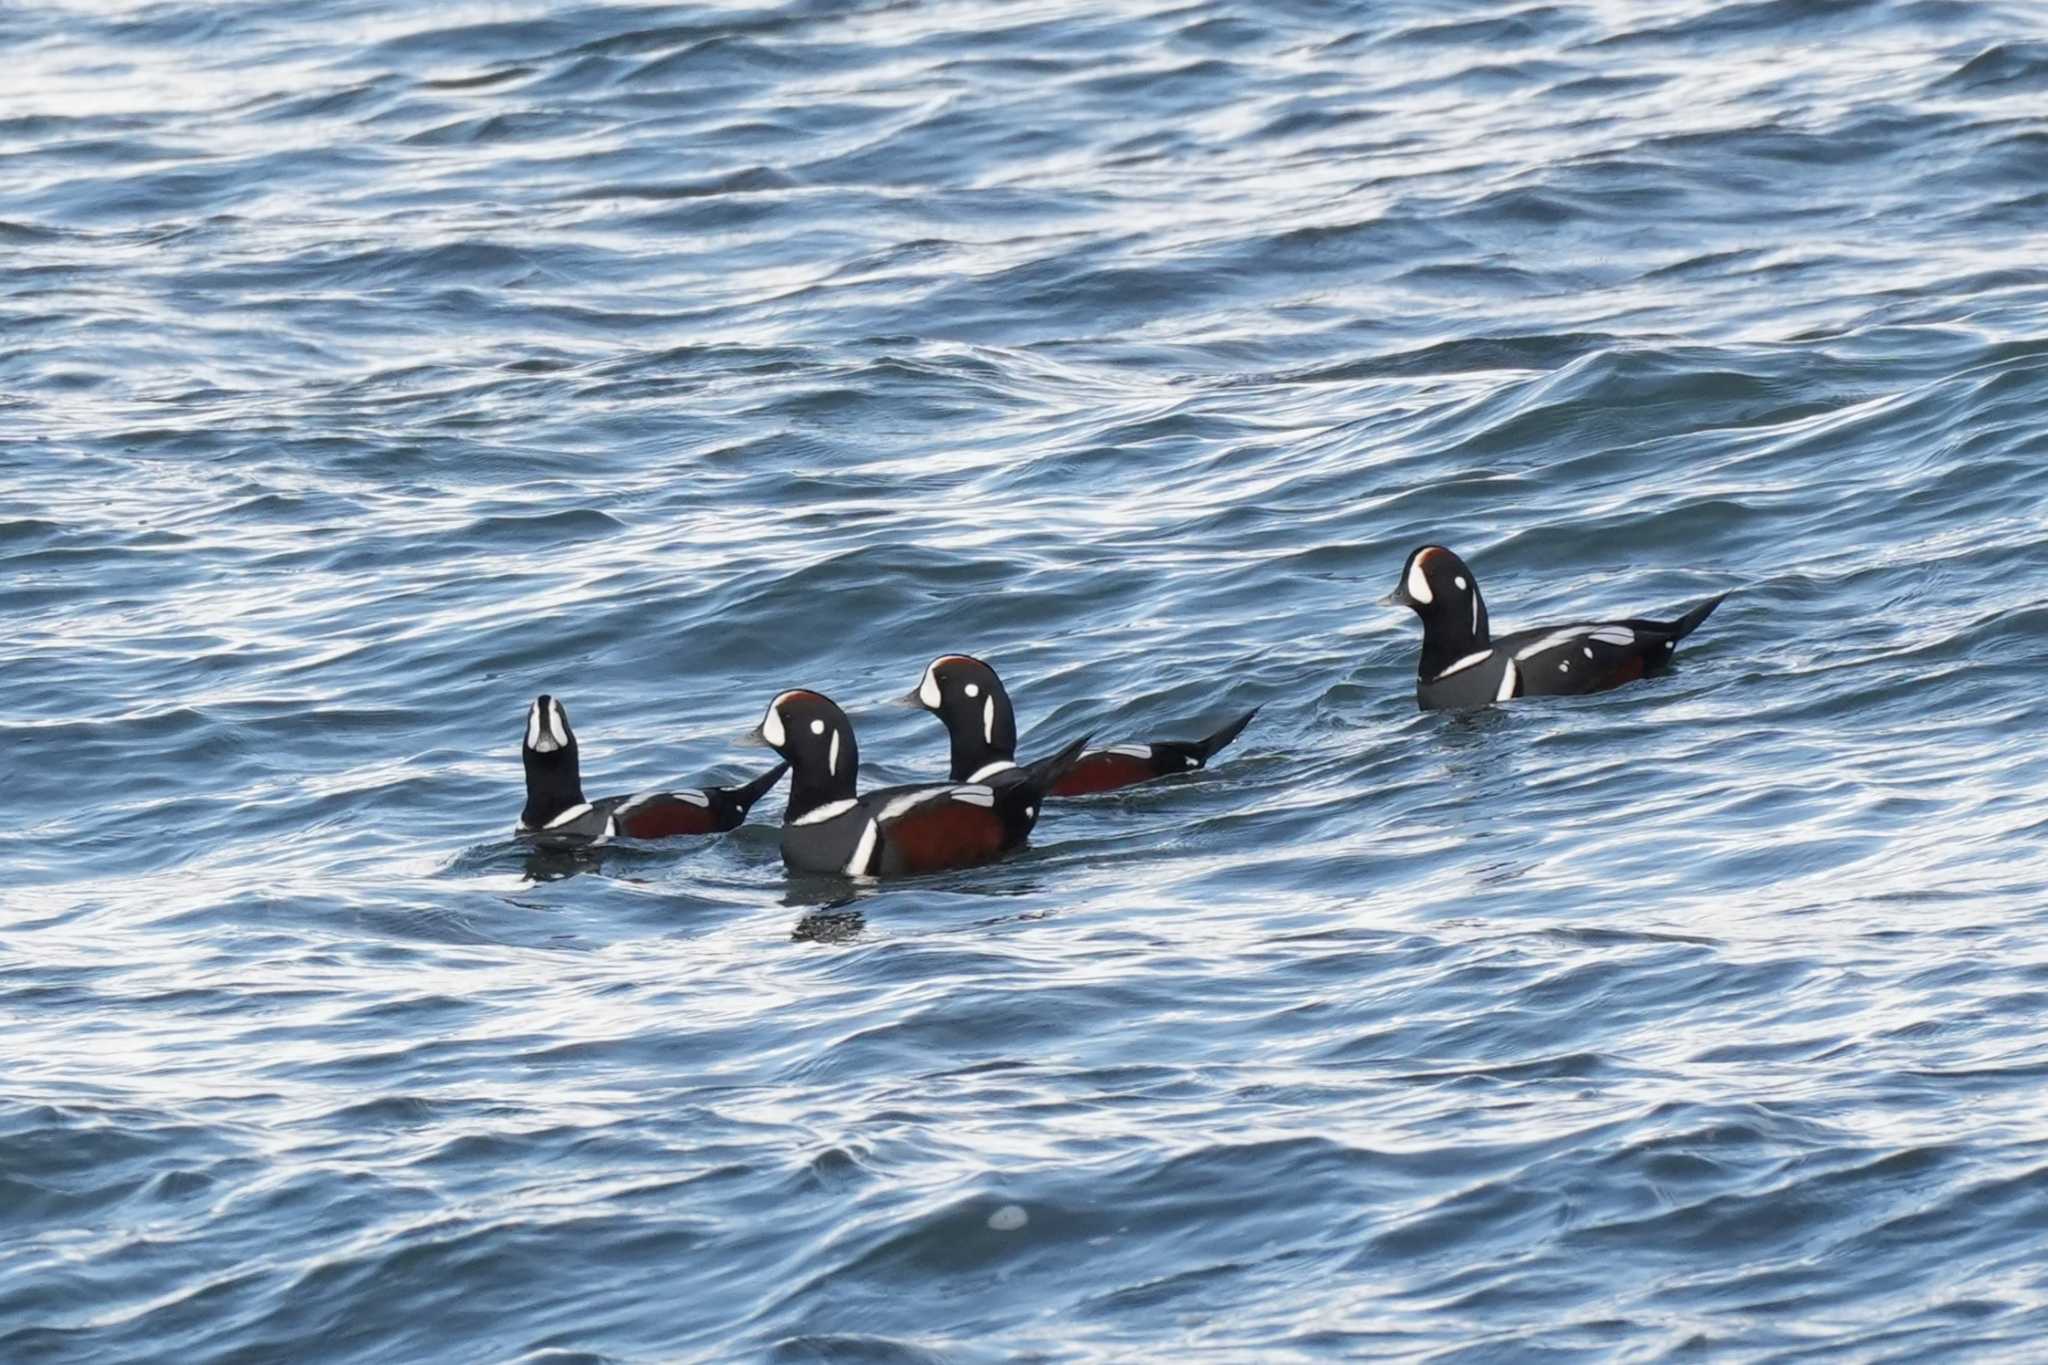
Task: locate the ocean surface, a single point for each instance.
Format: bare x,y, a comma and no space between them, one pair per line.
367,368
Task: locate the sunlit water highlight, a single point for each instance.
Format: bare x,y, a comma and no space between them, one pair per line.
367,368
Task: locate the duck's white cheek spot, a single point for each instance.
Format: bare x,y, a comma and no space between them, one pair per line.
1031,812
1418,583
1460,581
817,727
928,690
973,689
832,760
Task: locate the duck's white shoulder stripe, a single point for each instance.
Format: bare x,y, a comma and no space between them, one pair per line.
825,812
1468,661
900,804
569,816
1562,636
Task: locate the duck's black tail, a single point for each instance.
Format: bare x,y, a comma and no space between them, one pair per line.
745,796
1204,750
1690,622
1046,772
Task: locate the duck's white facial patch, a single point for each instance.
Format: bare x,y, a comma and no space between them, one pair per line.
771,727
817,727
1418,582
972,689
544,735
1031,812
928,690
1460,581
832,759
988,717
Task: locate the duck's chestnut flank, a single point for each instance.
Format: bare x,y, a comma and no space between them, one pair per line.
556,810
971,702
830,827
1462,666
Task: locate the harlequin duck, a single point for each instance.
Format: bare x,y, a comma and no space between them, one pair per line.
971,702
555,807
925,827
1464,667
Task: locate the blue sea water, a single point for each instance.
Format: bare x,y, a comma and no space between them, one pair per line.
366,368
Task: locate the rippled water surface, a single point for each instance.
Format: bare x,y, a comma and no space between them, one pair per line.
366,368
